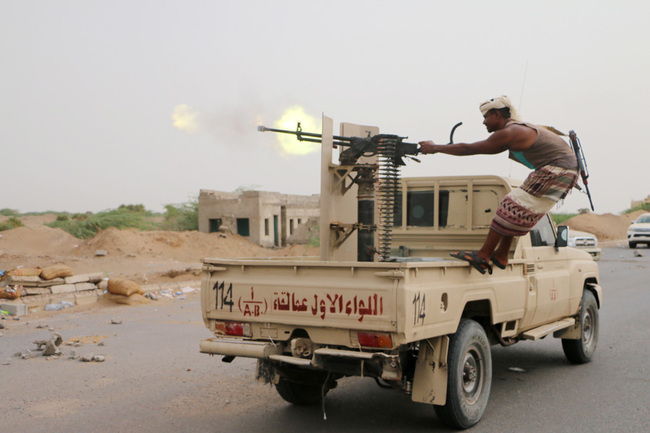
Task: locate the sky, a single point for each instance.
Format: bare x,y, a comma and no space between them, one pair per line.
104,103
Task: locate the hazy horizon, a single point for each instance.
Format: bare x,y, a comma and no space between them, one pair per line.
147,102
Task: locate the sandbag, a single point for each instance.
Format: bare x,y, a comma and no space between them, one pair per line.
124,287
9,292
126,300
56,271
22,272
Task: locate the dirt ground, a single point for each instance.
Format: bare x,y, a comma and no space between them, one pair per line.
146,257
606,227
149,257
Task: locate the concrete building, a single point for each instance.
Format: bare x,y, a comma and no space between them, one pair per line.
268,219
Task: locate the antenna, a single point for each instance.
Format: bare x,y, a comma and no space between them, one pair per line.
523,84
521,96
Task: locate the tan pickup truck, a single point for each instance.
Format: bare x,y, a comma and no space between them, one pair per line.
415,320
422,322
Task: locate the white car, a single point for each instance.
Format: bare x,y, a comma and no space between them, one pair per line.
584,241
639,231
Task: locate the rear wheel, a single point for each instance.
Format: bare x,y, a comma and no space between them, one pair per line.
469,376
299,393
304,387
582,350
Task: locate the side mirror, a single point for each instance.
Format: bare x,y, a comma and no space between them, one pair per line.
562,238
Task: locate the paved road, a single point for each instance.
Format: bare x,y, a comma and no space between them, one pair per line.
154,379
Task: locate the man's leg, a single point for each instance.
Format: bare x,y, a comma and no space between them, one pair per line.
490,244
502,251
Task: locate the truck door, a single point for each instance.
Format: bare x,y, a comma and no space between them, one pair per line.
551,276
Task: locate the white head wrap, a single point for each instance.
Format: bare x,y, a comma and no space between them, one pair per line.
500,102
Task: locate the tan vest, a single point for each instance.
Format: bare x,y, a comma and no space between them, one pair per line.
547,149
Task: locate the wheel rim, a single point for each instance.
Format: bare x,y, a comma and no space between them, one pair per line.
588,328
472,375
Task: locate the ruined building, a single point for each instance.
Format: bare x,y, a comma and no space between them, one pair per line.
268,219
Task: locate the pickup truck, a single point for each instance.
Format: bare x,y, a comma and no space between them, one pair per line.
420,322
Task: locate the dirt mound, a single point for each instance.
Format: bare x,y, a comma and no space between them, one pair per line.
181,246
37,239
606,227
144,256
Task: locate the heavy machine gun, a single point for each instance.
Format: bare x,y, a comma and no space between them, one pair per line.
356,147
383,176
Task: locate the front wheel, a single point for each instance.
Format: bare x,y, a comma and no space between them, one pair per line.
582,350
469,376
631,244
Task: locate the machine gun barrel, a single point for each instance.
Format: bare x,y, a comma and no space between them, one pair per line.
315,138
359,145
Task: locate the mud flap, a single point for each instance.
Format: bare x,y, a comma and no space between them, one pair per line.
430,380
266,372
575,332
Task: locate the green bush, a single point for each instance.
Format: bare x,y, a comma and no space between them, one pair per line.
181,216
11,223
559,218
85,226
314,237
9,212
644,207
133,207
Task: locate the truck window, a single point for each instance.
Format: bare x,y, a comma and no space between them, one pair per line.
419,208
542,235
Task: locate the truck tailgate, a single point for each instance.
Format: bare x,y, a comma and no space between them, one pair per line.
302,293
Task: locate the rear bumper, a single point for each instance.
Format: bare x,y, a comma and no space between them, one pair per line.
247,349
348,362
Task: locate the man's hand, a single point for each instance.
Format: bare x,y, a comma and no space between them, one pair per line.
427,147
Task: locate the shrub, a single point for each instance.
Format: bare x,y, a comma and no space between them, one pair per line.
644,207
182,216
314,237
133,207
85,226
559,218
9,212
11,223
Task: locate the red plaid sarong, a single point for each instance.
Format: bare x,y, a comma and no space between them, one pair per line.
550,182
522,208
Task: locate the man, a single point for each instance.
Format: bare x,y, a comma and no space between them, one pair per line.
556,172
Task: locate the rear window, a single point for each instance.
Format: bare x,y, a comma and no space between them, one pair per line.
419,208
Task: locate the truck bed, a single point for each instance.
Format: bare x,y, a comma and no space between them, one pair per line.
411,298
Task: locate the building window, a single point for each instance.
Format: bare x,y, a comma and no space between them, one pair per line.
299,221
243,227
215,224
290,227
266,226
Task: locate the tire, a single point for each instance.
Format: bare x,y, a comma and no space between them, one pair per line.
582,350
469,376
631,244
300,393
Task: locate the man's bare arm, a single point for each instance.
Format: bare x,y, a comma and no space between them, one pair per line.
515,137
